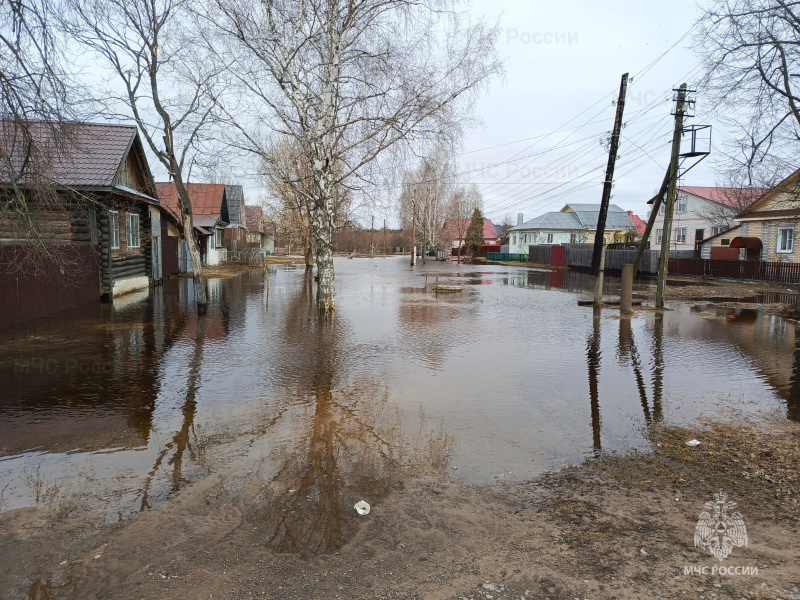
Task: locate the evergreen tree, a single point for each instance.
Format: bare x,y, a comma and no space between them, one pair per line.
474,239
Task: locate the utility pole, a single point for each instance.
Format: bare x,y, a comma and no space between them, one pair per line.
656,200
384,236
666,233
599,236
372,236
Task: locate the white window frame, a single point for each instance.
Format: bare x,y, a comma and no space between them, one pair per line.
680,235
549,238
132,230
662,210
218,238
658,236
113,229
789,249
573,238
717,230
514,240
682,203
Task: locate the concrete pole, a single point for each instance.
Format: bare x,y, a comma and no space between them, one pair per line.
666,234
598,283
626,293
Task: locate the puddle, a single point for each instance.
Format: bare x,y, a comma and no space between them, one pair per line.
119,408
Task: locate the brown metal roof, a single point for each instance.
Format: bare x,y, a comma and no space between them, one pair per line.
82,155
751,243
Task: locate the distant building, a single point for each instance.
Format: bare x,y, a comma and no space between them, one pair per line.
209,216
573,224
260,232
700,213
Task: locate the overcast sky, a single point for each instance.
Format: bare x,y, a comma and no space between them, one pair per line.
538,145
562,58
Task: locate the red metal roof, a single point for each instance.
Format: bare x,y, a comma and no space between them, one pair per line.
458,228
206,199
728,196
638,225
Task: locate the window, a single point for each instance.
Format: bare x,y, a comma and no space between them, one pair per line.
549,238
681,204
680,235
573,238
514,240
658,236
662,209
717,230
133,231
218,238
113,229
785,240
725,242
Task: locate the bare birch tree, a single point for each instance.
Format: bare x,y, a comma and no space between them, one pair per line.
424,198
349,82
751,50
167,85
289,179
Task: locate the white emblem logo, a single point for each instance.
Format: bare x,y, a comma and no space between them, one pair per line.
719,530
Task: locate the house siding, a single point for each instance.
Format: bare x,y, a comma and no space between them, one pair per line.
691,220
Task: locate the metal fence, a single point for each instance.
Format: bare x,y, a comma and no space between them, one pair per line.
736,269
501,256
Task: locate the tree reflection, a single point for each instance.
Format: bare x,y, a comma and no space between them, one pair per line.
180,441
348,443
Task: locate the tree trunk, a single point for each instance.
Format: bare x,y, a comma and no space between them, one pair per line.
309,254
197,267
323,239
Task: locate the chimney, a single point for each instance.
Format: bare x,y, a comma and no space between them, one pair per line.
519,218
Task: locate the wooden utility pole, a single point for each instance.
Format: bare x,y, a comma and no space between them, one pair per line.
666,233
657,200
607,184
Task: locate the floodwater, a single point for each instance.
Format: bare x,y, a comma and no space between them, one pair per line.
117,407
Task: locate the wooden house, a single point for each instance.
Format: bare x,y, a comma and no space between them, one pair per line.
94,218
260,232
235,237
210,217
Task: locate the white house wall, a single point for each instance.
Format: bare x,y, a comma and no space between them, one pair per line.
691,221
519,240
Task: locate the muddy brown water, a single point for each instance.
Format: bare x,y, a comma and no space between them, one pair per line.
119,406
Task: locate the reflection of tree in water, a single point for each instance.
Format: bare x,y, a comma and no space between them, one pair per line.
180,441
348,443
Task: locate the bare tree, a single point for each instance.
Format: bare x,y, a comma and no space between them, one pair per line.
459,211
751,50
167,85
36,101
423,200
349,82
